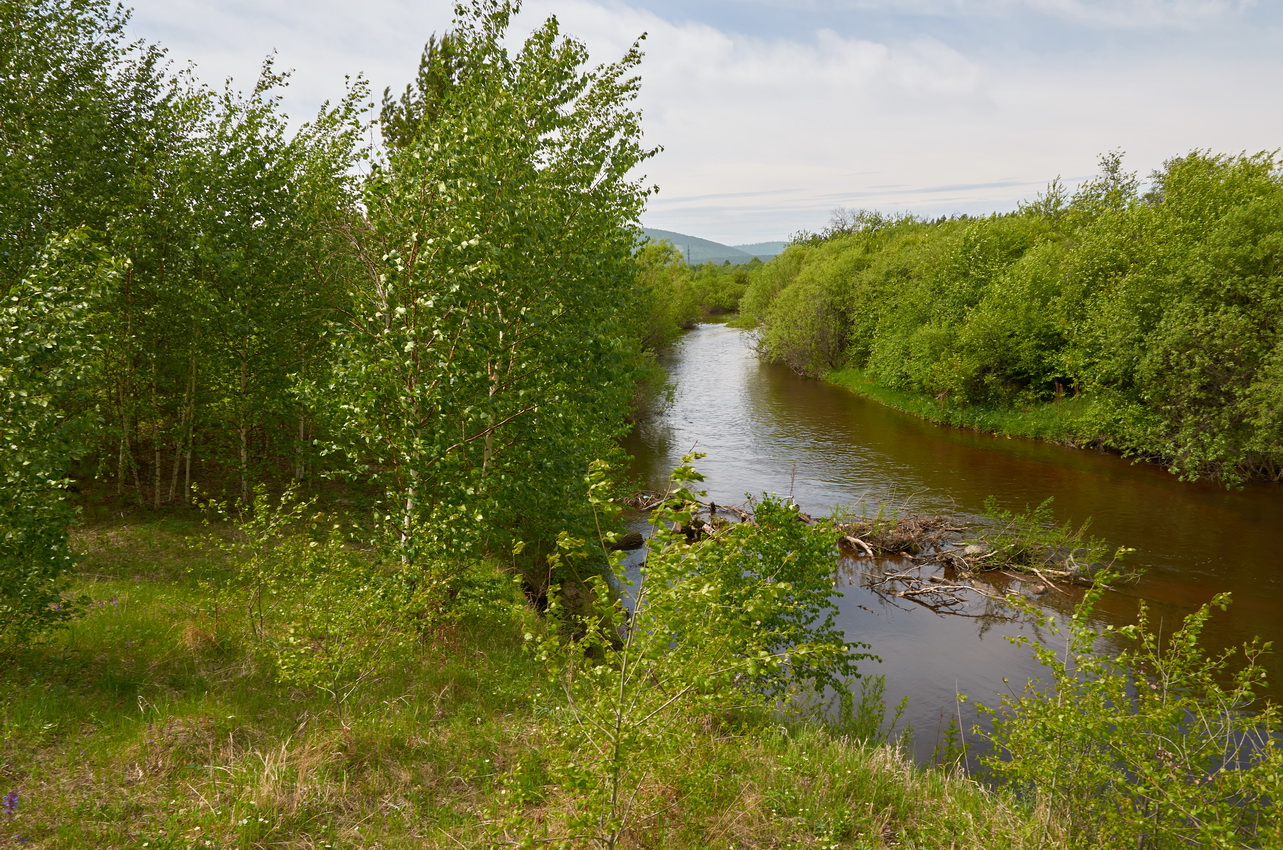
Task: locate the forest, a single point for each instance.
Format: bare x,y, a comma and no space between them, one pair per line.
310,496
200,300
1141,316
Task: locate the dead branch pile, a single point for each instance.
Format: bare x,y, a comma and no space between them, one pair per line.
1050,566
643,500
906,535
937,593
926,540
939,541
913,586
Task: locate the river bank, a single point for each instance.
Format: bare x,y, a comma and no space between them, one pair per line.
1066,422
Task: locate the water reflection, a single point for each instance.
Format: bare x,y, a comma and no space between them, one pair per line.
766,430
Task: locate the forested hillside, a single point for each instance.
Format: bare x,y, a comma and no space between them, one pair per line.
1154,317
696,251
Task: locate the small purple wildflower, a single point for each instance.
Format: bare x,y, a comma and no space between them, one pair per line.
10,803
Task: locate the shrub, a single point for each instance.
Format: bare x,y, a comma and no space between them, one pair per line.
319,613
49,357
1163,745
720,628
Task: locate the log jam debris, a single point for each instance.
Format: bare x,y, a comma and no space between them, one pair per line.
958,550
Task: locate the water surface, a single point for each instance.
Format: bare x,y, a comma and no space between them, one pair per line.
765,429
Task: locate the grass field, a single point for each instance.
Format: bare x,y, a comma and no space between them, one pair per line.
151,722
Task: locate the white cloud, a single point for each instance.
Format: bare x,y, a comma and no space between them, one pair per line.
735,112
765,135
322,40
1184,14
1181,14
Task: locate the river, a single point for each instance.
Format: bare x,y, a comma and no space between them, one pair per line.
764,429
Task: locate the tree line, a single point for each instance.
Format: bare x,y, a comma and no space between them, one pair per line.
199,298
1155,308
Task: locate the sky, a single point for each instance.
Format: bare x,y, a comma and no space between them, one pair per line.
774,113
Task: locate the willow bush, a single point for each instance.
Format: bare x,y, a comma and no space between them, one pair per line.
1160,308
1161,745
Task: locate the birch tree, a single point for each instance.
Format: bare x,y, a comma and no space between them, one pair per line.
487,358
50,351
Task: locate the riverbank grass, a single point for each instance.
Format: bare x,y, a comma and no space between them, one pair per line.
1067,421
151,722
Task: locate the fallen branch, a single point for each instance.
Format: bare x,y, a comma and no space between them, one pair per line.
1048,581
853,541
937,589
713,508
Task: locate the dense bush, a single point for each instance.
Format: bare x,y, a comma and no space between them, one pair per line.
50,330
669,302
229,224
1161,308
454,328
488,355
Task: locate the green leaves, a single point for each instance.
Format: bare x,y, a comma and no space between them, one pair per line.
76,100
1161,309
319,612
485,363
233,232
1181,326
722,628
50,356
1159,746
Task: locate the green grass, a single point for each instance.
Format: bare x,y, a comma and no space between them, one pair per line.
150,723
1067,421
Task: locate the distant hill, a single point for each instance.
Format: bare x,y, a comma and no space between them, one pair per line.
699,251
762,250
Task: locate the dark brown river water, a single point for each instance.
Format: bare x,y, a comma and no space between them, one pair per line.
765,429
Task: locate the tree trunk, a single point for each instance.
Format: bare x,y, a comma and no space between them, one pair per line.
155,442
244,432
187,479
298,449
185,432
408,519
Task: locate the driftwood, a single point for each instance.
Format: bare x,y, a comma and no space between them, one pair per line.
937,594
967,561
930,585
647,501
699,528
1048,582
741,514
855,542
644,500
927,541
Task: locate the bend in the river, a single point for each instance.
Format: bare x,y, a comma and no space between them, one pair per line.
765,429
